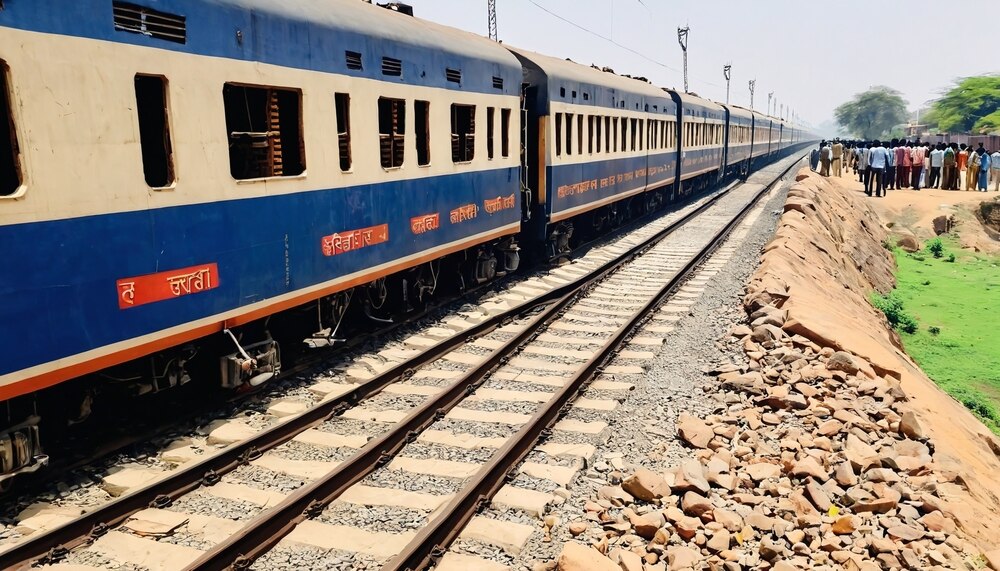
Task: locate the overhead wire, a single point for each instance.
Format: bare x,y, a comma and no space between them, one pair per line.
613,42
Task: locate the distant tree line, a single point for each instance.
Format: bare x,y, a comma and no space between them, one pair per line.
873,113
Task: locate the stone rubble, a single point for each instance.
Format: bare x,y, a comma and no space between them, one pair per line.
816,461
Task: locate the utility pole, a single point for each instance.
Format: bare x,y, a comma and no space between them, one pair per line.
727,71
491,6
753,85
682,39
769,96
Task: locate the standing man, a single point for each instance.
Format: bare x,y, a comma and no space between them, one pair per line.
814,159
825,155
903,165
917,156
889,176
995,170
972,172
877,160
961,163
838,155
937,163
949,166
984,170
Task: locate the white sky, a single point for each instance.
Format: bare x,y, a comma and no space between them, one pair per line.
812,55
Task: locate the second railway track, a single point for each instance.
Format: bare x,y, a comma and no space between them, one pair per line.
496,388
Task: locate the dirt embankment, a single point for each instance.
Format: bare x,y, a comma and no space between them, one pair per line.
826,258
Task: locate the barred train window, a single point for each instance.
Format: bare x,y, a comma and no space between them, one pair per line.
264,125
391,131
607,134
154,130
342,102
624,134
10,168
590,134
597,123
505,133
579,133
490,112
569,134
463,133
422,125
559,134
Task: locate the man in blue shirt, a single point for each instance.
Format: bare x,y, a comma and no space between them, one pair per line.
877,159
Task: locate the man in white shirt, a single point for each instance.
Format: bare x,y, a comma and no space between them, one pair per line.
877,160
937,161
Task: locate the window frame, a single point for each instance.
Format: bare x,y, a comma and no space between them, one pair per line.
490,132
505,117
393,133
171,173
459,158
343,137
16,155
426,135
300,129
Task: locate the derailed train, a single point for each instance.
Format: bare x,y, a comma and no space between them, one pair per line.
189,186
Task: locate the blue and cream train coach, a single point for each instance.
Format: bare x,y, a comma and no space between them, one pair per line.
189,187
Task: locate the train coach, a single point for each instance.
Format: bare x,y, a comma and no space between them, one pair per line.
192,167
191,188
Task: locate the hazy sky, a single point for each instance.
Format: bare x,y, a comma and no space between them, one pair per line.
812,55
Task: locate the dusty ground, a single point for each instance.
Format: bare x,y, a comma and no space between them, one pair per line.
911,212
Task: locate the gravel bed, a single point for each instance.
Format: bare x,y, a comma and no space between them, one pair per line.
644,426
348,426
429,381
443,365
385,519
400,480
528,408
302,557
602,394
264,479
518,386
483,429
439,452
97,560
484,550
532,483
200,503
567,437
293,450
389,401
589,414
476,350
512,515
540,457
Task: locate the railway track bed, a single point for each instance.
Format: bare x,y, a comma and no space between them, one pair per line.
467,431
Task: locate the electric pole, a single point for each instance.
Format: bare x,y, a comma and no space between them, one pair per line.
753,85
727,71
682,39
491,6
769,96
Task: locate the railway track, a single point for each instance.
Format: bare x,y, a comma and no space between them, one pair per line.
496,387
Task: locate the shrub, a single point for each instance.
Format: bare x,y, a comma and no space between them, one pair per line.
926,282
892,307
950,258
934,330
936,246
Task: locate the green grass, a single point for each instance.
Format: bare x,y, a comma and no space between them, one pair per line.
956,303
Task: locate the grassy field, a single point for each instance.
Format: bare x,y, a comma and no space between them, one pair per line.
957,310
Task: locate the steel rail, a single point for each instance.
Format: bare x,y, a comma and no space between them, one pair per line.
431,541
263,533
51,546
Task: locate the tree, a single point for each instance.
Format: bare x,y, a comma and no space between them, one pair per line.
873,113
972,105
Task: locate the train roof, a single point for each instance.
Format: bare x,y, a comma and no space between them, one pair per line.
305,34
695,106
571,82
740,112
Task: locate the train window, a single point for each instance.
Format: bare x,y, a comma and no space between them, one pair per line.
579,133
607,134
490,131
597,133
569,134
154,130
10,170
590,134
642,131
463,133
391,132
559,134
624,135
265,131
422,128
632,138
342,102
505,133
614,135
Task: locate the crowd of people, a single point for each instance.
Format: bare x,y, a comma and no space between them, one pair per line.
899,164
